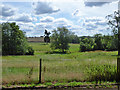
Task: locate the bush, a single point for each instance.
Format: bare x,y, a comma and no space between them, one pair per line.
82,47
86,44
101,73
30,51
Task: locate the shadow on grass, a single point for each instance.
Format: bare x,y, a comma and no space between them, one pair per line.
115,55
44,43
57,52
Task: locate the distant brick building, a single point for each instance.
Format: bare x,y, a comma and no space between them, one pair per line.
35,39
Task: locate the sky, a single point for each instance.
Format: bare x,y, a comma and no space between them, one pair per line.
83,17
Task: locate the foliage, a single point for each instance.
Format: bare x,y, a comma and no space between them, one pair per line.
47,38
98,42
86,44
114,21
74,38
60,39
58,67
101,73
107,42
13,40
29,74
30,51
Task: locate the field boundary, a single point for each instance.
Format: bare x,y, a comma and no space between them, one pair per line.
91,86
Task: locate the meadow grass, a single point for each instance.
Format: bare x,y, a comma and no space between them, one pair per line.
56,67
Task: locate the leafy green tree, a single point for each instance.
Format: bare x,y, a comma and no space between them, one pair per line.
14,41
60,39
114,23
47,38
74,38
109,43
98,41
86,44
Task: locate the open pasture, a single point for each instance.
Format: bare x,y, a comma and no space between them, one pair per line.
57,67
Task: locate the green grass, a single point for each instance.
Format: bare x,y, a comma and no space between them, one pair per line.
58,85
56,67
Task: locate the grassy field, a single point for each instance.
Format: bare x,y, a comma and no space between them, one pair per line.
58,67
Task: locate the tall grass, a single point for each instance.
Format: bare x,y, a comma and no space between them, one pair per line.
101,73
56,67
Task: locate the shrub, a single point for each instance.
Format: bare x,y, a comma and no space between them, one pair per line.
30,51
86,44
101,73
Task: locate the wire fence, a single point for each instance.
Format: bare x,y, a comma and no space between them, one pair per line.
67,70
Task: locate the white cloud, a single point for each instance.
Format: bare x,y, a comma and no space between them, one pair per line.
44,8
49,26
47,19
60,22
102,23
23,18
7,10
91,26
91,3
2,21
74,15
93,19
92,23
40,26
27,27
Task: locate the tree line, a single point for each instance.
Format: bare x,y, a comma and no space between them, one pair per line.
62,36
98,42
14,41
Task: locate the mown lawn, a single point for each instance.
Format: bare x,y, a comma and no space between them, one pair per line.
56,67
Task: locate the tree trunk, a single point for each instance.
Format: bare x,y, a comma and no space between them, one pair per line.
63,50
118,70
118,45
118,40
118,25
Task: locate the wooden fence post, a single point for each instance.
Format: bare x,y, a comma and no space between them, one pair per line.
40,70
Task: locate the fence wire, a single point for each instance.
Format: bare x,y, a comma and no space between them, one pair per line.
61,70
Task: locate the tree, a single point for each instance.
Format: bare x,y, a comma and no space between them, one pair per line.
60,39
74,38
47,38
14,41
86,44
114,23
109,43
98,41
